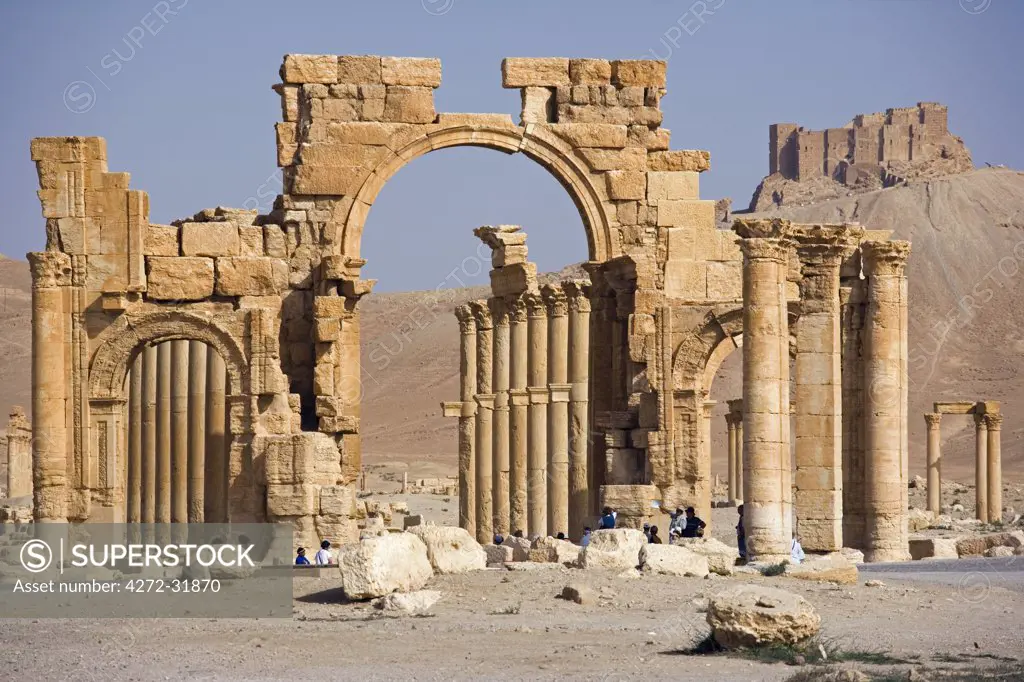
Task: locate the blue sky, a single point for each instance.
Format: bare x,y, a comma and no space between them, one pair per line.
184,99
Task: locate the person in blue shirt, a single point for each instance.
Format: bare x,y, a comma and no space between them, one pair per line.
607,519
585,540
300,557
694,527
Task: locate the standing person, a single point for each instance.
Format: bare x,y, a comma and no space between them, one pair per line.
655,539
323,557
585,540
647,532
741,535
676,525
694,527
796,552
607,519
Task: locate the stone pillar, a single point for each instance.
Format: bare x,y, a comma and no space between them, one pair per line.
19,454
981,468
134,491
885,404
149,439
558,410
215,468
196,431
852,295
537,432
579,428
51,272
467,430
500,441
741,476
818,367
179,432
519,400
934,422
484,422
730,423
703,503
765,395
163,433
995,467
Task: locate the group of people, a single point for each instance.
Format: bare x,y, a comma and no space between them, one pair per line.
322,558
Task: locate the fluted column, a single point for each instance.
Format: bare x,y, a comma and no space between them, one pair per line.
467,430
852,296
558,409
765,395
149,439
215,468
885,408
500,441
51,271
934,422
484,421
730,424
537,432
179,431
196,430
981,468
994,422
703,503
519,400
134,492
818,368
163,433
579,429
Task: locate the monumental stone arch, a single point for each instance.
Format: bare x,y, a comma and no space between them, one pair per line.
275,296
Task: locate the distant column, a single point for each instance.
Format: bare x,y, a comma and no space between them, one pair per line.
995,467
215,467
467,430
934,422
135,441
730,423
981,468
519,399
484,422
537,433
149,438
500,386
196,430
703,504
579,430
885,400
558,409
163,433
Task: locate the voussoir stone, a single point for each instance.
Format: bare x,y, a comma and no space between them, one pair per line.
396,562
751,616
616,548
450,549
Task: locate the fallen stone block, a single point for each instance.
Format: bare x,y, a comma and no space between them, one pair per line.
553,549
976,545
498,554
829,569
721,557
451,550
673,560
752,616
379,566
409,602
933,548
580,594
616,549
520,548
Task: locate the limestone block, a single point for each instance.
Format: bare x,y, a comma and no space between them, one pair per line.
451,550
616,548
407,104
498,554
683,213
693,160
626,184
274,242
337,109
572,113
250,240
178,278
240,276
366,132
410,71
651,140
291,500
410,603
209,239
378,566
359,69
631,96
642,72
686,279
672,185
519,72
933,548
520,548
721,557
590,71
829,569
338,500
283,462
310,68
751,615
538,105
673,560
628,159
359,157
978,544
725,281
159,240
551,549
601,135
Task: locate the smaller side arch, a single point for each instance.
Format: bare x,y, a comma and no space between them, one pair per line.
122,341
701,353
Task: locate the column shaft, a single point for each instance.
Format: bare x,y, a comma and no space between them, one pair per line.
500,441
703,503
484,422
196,431
215,465
163,433
852,295
467,430
519,401
179,431
134,491
731,426
885,408
537,432
934,422
149,439
579,429
995,467
981,468
558,409
765,396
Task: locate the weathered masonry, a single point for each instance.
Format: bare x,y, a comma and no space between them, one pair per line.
276,297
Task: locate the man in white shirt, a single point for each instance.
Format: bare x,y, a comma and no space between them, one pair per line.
323,557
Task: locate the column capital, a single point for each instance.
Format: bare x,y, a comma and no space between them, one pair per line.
885,259
481,315
535,306
516,308
467,323
500,311
994,421
980,422
823,258
578,293
763,228
555,299
933,419
707,406
764,248
50,269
